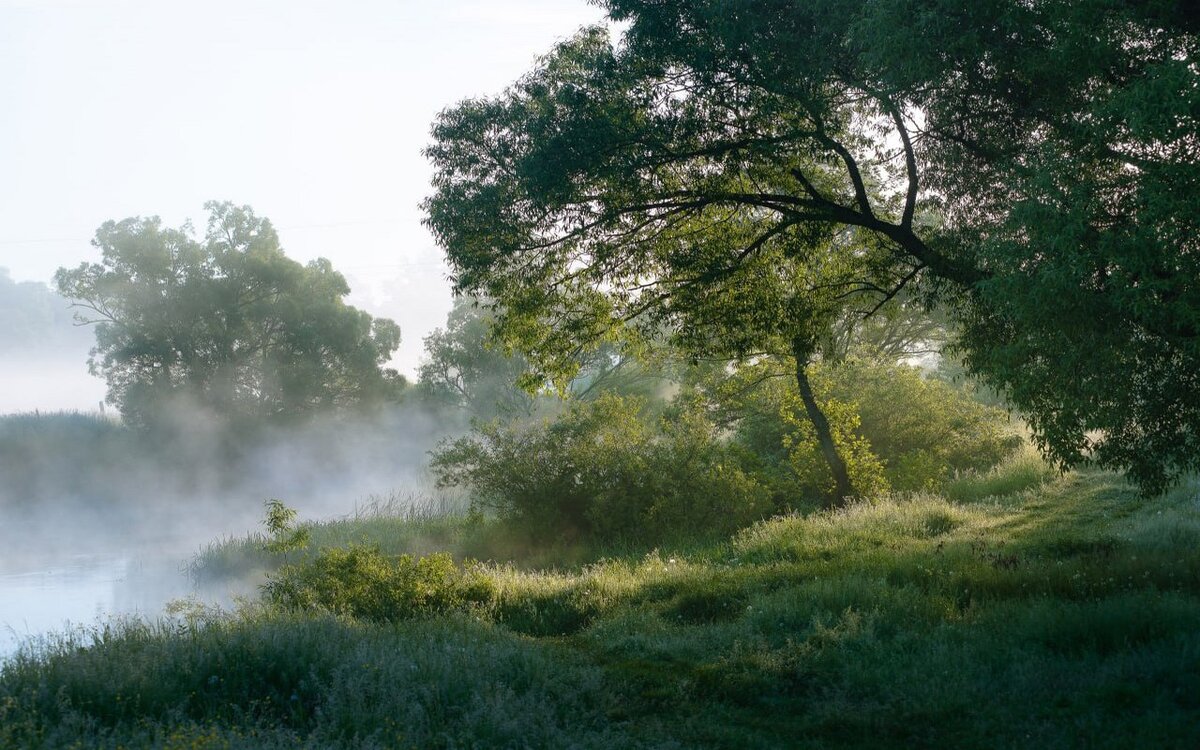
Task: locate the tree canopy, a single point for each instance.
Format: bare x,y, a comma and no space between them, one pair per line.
227,322
466,369
460,369
1031,167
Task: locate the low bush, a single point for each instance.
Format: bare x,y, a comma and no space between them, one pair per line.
606,470
362,582
895,428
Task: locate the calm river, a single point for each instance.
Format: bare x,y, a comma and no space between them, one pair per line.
43,597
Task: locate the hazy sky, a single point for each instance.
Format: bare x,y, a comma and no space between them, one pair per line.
314,113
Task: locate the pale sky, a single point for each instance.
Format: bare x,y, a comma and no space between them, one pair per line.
313,112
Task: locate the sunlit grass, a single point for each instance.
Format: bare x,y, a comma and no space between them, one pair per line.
1023,470
397,523
1060,614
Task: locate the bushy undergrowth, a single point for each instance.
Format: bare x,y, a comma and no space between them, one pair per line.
895,428
605,470
362,582
399,523
37,448
1051,616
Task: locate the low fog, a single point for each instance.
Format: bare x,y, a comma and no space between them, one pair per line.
103,489
74,479
98,519
43,354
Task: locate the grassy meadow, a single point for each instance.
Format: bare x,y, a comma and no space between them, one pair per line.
1017,609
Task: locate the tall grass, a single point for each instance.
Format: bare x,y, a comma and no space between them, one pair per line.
396,523
1025,469
1060,616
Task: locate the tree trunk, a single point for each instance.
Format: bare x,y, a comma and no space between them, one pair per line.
841,477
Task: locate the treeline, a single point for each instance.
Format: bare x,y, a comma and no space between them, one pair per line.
238,371
36,320
661,447
241,374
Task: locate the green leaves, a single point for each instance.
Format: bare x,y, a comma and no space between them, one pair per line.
285,536
362,582
604,470
226,323
738,173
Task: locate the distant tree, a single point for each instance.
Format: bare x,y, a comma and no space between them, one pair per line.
1056,143
227,322
33,318
466,368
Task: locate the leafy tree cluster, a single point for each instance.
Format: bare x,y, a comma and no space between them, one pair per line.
462,371
466,371
898,428
362,582
226,323
729,448
606,470
742,173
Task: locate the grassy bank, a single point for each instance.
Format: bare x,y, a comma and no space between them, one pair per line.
400,523
1059,616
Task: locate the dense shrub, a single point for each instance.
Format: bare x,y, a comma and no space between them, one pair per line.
362,582
49,449
921,427
896,429
606,470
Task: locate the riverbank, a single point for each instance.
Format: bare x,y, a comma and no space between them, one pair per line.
1058,616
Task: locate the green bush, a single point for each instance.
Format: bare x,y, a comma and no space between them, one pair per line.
896,429
65,453
285,535
923,429
605,470
362,582
811,470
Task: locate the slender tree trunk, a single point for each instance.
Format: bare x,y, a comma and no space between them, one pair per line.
802,351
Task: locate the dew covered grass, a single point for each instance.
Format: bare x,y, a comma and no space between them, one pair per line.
1062,613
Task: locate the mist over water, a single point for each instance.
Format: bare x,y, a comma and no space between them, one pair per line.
97,520
41,597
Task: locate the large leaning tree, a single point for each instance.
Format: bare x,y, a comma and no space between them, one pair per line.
1030,166
226,323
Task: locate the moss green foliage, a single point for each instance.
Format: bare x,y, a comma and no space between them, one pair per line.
465,370
363,582
1022,470
226,324
1054,616
396,524
896,428
276,681
924,430
606,470
1030,166
36,447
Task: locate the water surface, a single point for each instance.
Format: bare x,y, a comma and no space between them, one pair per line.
43,596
